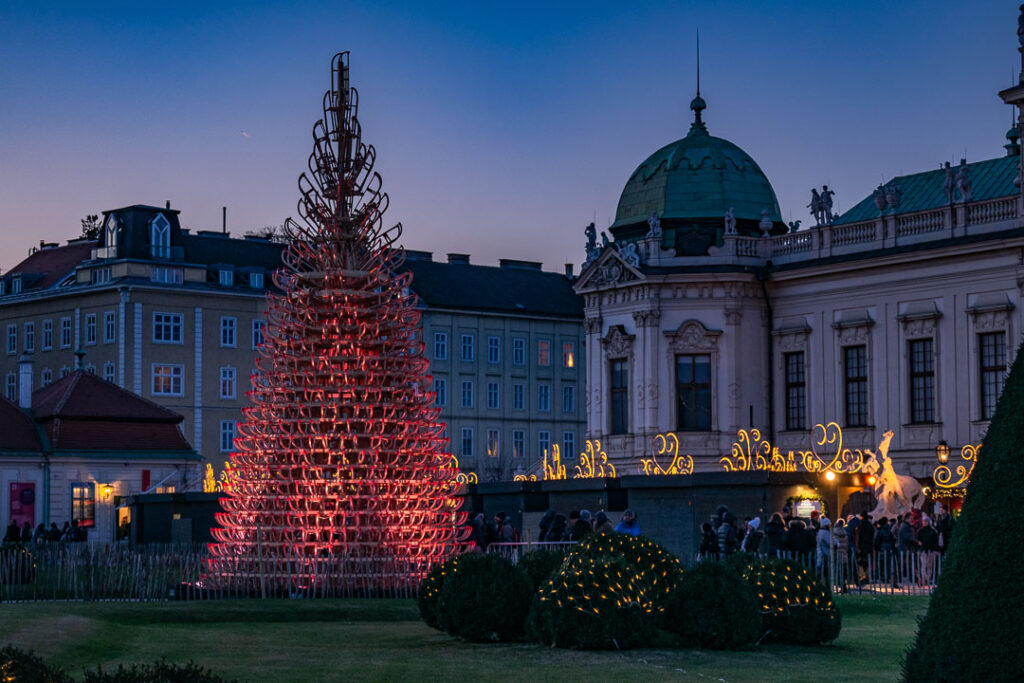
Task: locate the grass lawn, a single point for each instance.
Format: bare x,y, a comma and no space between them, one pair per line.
385,640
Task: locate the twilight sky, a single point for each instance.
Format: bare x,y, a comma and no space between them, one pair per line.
502,129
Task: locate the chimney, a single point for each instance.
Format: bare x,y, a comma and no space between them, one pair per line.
224,219
25,364
459,258
168,203
568,270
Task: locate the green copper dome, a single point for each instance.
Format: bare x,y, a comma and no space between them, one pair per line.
696,180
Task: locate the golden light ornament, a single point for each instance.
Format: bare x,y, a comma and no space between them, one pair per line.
947,477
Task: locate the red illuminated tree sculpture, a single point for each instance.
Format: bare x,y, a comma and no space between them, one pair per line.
340,466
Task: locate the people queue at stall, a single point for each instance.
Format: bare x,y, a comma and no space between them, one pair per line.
24,535
555,527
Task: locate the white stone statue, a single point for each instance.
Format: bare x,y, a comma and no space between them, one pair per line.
655,223
826,204
730,222
963,182
629,254
766,223
897,494
815,206
948,183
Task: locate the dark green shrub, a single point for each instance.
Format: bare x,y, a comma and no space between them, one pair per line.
712,606
484,598
592,604
158,672
430,591
977,604
796,608
657,570
539,565
18,665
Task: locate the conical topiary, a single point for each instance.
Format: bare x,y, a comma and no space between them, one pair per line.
972,629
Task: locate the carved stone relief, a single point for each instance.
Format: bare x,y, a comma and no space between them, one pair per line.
853,334
919,327
592,325
793,341
691,335
617,342
986,321
647,318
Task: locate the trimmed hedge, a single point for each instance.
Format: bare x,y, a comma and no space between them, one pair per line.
967,633
657,569
18,665
796,608
158,672
539,565
713,607
484,598
592,604
430,591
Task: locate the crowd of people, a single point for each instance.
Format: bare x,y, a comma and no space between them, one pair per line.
555,527
24,535
855,543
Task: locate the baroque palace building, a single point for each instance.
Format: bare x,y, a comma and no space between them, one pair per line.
706,314
175,316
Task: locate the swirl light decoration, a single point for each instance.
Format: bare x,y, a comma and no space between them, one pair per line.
594,462
750,452
341,456
951,478
667,445
843,460
549,471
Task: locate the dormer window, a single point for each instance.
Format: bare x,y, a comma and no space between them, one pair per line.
16,285
227,278
256,280
110,236
3,287
160,237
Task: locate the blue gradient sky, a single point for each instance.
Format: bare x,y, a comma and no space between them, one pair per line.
501,130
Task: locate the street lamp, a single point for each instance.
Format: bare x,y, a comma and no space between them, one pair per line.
942,452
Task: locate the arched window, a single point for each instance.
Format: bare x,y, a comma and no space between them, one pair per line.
160,237
110,237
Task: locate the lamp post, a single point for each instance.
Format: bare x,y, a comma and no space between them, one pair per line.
942,452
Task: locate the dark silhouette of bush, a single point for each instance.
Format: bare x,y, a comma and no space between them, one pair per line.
484,598
796,608
713,607
977,606
593,603
539,565
158,672
18,665
430,591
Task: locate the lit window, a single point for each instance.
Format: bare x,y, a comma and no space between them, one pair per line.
227,331
467,393
544,397
90,328
518,394
227,382
257,333
440,346
167,380
519,351
47,335
493,443
227,436
543,353
518,443
65,333
83,504
569,399
167,328
467,442
109,327
494,349
30,337
467,347
568,355
441,391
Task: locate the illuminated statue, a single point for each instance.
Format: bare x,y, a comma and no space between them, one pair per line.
341,460
896,493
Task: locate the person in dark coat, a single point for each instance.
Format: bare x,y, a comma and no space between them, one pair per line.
928,536
26,533
802,541
478,534
751,542
557,531
727,540
865,545
602,525
545,525
13,533
774,536
577,527
708,542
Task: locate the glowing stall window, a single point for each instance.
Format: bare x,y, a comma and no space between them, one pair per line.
83,503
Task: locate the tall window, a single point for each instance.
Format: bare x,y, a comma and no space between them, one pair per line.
109,327
110,232
160,237
12,339
569,399
12,387
227,382
46,378
227,436
256,280
65,333
47,335
620,396
518,351
90,328
440,346
83,504
922,381
228,326
518,394
167,380
543,353
467,442
30,337
796,391
693,392
855,370
492,395
993,370
467,347
544,397
568,355
167,328
64,371
257,333
518,443
108,372
467,393
568,444
544,442
441,392
493,349
493,443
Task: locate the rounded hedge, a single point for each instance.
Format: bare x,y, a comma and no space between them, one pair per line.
796,608
592,603
657,569
484,598
18,665
713,607
539,565
430,591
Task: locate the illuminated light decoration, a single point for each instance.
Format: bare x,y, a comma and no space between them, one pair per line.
872,479
951,478
594,463
552,471
214,484
843,460
463,478
666,445
752,453
341,459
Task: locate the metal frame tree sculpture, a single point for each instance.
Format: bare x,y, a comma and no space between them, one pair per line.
342,457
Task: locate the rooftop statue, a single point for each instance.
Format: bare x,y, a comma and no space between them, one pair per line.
766,222
629,254
816,207
826,204
655,223
879,196
730,222
591,247
948,183
963,182
794,226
